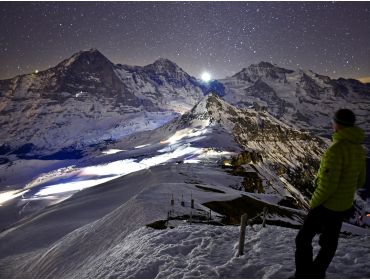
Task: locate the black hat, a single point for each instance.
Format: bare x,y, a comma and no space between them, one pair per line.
345,117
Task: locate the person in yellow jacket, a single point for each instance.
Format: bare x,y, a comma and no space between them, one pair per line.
342,171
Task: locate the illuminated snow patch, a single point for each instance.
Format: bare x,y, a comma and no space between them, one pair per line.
214,153
9,195
112,151
115,169
141,146
193,161
186,132
72,186
181,151
120,167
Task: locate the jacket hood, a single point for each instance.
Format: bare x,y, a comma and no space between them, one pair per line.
351,134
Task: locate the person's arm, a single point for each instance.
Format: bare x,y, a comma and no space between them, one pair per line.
328,177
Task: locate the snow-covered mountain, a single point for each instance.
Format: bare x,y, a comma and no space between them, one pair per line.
269,157
52,118
229,160
87,99
301,98
278,159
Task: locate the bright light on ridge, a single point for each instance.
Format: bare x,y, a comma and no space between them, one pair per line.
206,77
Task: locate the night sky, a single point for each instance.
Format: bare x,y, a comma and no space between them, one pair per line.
331,38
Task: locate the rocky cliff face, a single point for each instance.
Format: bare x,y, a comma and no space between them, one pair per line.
273,158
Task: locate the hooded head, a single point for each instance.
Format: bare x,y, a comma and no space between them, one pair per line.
345,129
344,117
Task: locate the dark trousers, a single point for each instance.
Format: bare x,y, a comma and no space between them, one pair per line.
328,223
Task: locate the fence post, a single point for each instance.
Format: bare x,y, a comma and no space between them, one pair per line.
243,225
182,201
172,201
264,217
168,217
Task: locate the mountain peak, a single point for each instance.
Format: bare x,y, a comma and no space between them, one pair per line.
164,66
91,51
270,66
265,64
92,55
209,105
164,62
262,69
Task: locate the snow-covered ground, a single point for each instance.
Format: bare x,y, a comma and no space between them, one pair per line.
100,232
204,251
119,245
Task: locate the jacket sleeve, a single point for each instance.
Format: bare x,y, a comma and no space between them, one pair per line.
328,176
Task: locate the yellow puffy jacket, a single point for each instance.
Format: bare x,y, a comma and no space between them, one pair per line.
342,170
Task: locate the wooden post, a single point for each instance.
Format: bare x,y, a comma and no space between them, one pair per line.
264,217
182,200
172,201
192,201
191,216
243,225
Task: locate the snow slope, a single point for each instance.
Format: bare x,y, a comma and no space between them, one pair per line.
115,244
203,251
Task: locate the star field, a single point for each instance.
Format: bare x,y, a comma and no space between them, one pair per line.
330,38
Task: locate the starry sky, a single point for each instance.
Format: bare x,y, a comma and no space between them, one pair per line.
330,38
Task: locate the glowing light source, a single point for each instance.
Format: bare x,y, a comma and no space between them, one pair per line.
36,71
206,77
